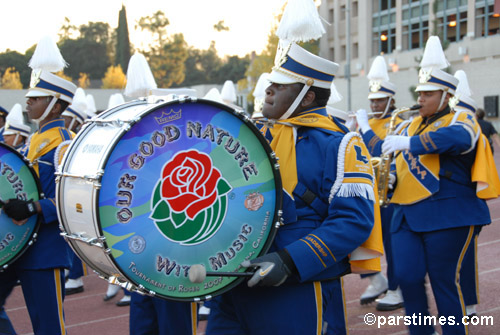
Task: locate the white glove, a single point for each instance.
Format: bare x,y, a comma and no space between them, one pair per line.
392,180
351,123
394,143
362,118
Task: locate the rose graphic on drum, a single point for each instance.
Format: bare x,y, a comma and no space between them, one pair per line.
189,203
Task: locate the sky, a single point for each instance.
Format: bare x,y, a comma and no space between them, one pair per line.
24,22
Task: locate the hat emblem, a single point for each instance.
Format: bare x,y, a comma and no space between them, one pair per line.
424,75
375,86
35,78
281,55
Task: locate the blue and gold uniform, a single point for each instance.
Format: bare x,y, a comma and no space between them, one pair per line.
41,266
318,242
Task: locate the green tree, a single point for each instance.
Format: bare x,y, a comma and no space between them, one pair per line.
89,53
10,80
166,54
219,26
202,66
122,53
67,30
18,61
114,78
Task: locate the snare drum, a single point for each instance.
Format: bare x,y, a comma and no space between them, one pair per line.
17,180
148,189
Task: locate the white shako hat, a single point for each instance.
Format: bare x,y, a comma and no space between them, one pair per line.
379,84
431,76
77,109
462,99
14,122
259,94
300,23
140,79
214,95
47,59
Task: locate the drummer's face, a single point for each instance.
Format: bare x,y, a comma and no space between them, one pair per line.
279,97
36,106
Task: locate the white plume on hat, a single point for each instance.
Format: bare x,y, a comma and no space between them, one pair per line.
214,95
47,56
140,79
335,96
228,92
378,70
434,55
14,122
79,100
262,83
115,100
463,88
91,108
300,22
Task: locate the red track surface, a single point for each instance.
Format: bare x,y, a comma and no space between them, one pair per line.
86,312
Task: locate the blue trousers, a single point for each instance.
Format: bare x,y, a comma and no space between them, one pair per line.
286,309
43,292
469,280
77,268
439,254
335,314
155,316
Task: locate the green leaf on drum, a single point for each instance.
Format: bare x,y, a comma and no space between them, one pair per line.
178,219
161,211
223,187
157,193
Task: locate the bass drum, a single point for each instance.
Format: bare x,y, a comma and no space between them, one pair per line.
148,189
17,180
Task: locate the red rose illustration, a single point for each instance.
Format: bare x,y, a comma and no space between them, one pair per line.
190,182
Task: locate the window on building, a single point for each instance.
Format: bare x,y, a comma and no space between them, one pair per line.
332,53
451,16
355,50
331,16
343,54
342,12
383,26
486,22
354,9
415,24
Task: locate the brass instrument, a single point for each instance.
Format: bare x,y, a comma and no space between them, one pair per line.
382,164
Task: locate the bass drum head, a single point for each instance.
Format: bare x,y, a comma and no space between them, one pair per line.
190,183
17,180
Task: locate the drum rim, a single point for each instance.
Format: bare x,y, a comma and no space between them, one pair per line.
38,222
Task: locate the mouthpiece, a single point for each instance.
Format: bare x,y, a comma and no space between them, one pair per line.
415,107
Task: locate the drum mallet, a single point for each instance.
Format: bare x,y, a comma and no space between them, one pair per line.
197,274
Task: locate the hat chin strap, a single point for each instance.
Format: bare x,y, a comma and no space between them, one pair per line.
15,140
47,111
443,96
386,108
296,103
72,123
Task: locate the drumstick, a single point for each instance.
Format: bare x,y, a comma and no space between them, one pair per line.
197,274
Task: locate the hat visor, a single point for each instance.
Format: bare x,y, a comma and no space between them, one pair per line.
427,87
279,78
36,93
379,95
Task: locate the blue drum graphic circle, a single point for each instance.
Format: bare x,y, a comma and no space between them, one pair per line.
190,183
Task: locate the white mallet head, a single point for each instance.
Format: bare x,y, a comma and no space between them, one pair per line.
197,273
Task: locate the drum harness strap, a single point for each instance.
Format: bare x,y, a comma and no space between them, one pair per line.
311,199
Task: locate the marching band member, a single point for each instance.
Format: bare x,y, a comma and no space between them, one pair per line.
469,276
16,132
40,268
328,208
3,115
373,131
151,315
443,177
75,115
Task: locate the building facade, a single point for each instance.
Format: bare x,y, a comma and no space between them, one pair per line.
398,29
